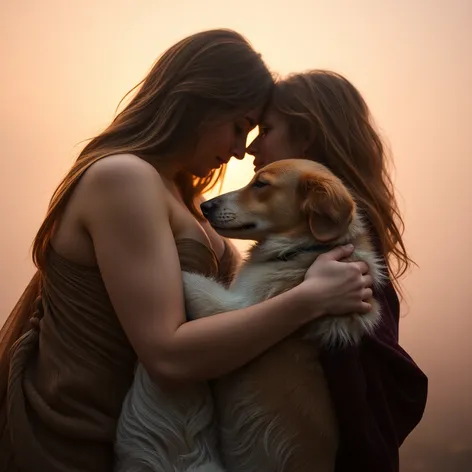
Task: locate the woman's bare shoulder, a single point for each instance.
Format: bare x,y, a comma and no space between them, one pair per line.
111,187
118,168
122,179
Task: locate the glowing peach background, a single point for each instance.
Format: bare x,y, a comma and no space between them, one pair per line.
65,65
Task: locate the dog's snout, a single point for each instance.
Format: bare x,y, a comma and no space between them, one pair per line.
208,207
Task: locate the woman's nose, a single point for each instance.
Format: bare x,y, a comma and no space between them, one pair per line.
239,151
252,148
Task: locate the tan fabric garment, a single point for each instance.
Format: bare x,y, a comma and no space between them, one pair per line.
69,374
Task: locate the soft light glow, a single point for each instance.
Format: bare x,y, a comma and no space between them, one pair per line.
66,65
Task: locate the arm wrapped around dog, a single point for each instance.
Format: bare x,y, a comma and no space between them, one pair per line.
206,297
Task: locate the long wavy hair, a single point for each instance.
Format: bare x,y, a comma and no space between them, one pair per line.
325,109
202,80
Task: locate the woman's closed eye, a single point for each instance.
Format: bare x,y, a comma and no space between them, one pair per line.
263,130
238,129
241,127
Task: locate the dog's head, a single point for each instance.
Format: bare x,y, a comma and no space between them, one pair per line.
293,198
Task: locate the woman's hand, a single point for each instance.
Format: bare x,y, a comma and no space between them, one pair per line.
340,287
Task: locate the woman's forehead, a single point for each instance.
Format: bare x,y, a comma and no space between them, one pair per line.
253,117
270,114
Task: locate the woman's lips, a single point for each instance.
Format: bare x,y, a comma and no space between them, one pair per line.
258,165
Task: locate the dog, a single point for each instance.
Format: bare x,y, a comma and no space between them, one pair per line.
274,414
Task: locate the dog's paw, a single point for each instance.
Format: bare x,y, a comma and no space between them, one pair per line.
342,331
199,294
206,297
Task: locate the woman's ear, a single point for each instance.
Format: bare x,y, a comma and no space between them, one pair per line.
304,143
328,205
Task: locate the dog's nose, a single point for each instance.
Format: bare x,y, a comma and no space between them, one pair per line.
208,207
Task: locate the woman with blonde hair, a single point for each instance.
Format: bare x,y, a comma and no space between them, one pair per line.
379,393
120,227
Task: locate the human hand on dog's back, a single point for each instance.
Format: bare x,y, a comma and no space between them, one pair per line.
341,287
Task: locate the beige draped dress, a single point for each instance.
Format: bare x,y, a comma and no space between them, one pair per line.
66,366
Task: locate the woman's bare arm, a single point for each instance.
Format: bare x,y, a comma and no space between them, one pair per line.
128,221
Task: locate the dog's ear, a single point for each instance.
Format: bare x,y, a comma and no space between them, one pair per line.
328,205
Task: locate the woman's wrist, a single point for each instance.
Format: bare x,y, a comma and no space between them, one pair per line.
308,301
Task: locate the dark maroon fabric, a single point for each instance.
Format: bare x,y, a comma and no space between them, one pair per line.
379,394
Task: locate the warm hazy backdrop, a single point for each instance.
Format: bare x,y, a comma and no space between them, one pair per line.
65,64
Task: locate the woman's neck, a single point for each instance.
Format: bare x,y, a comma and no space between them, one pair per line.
167,167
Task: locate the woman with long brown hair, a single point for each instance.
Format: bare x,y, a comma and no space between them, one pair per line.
320,115
120,227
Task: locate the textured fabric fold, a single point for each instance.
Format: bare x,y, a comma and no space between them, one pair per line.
378,392
69,366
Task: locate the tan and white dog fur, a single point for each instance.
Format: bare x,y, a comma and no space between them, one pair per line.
274,414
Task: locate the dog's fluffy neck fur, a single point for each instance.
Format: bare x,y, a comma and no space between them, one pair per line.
281,247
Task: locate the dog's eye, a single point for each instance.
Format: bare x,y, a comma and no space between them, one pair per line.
259,184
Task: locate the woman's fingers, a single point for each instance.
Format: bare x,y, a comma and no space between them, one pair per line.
365,307
367,280
367,294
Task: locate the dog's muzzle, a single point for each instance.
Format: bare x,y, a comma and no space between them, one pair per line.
209,207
